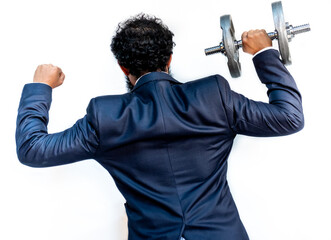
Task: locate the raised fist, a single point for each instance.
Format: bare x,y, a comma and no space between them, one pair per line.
255,40
49,74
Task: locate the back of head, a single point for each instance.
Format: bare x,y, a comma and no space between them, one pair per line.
142,44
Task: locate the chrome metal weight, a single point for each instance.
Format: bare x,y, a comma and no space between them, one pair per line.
280,26
284,32
229,42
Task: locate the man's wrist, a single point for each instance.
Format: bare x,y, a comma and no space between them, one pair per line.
41,83
263,50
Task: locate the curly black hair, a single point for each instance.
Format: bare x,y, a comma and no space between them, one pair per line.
142,44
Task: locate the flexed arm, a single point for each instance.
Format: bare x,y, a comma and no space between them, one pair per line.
37,148
283,114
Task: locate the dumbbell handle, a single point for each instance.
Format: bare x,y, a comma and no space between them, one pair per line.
291,32
272,36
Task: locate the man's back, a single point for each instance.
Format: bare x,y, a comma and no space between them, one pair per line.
168,157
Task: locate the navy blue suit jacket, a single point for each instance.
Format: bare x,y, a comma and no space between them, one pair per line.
166,145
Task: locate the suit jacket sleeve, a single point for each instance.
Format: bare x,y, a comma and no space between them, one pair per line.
37,148
283,114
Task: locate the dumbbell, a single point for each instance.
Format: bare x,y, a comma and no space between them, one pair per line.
284,32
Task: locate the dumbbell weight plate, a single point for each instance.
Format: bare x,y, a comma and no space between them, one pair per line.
280,25
229,40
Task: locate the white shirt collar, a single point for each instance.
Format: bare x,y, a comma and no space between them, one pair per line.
145,75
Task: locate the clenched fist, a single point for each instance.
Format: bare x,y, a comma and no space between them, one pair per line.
49,74
255,40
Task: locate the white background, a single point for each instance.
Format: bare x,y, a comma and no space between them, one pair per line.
281,185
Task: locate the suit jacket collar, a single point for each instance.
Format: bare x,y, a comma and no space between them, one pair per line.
153,76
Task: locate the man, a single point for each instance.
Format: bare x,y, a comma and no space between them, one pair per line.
165,143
